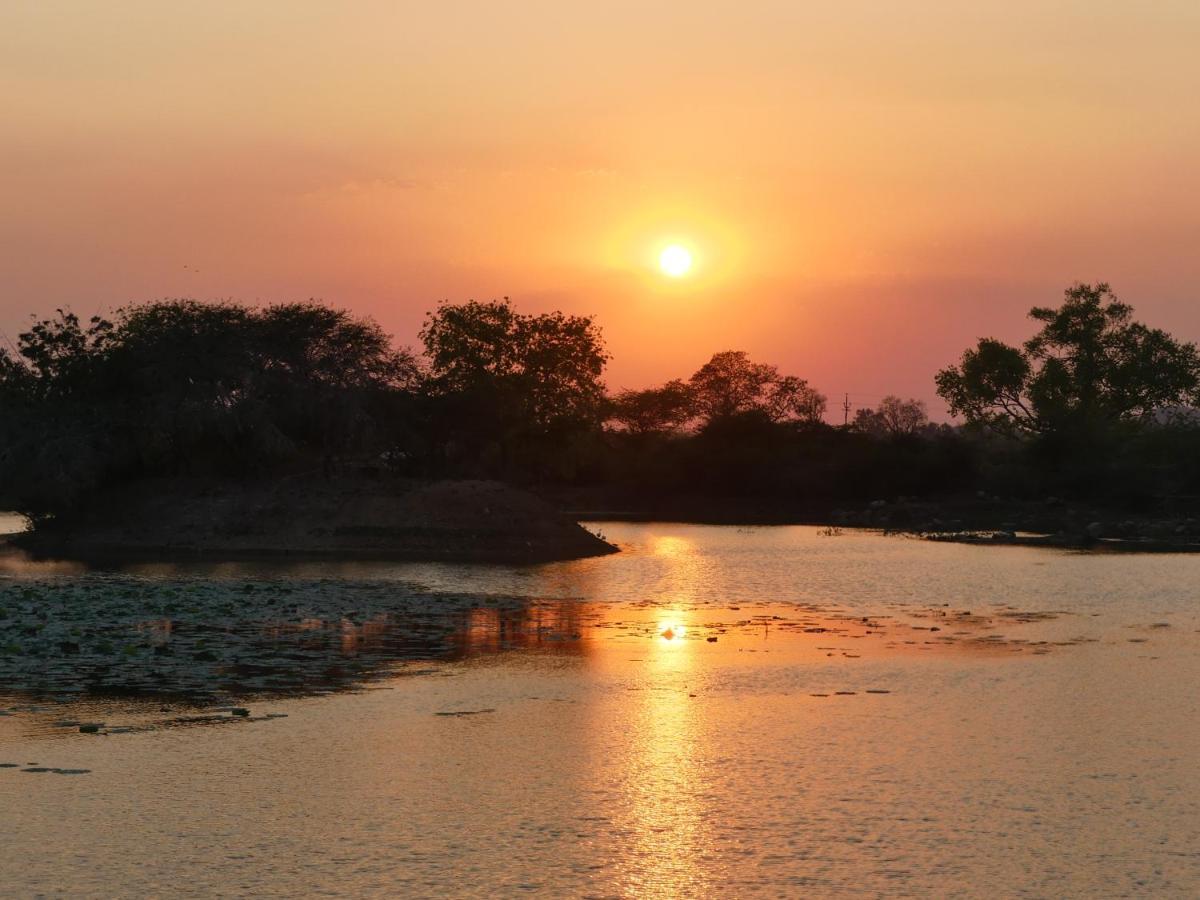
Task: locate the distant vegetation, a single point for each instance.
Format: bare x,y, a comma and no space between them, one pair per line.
1098,405
1094,405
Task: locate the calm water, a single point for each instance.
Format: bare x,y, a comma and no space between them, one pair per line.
876,717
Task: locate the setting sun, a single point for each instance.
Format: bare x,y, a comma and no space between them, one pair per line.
675,261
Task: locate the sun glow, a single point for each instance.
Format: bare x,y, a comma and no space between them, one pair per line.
675,261
671,629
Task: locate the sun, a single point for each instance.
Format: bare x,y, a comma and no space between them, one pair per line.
675,261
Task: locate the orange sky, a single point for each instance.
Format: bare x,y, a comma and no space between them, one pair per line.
867,187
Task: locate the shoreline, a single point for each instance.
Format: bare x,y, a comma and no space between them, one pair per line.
349,518
1049,523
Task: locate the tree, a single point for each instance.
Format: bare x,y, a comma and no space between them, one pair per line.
654,410
56,357
730,384
539,372
893,418
791,399
1088,367
53,435
174,386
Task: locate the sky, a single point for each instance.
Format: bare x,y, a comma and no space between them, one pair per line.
865,188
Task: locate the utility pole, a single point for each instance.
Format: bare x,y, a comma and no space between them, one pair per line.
846,411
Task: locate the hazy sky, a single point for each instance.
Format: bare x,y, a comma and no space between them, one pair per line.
866,187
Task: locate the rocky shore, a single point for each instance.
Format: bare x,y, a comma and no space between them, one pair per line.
305,517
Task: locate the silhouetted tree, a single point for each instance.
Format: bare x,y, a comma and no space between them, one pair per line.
177,386
512,394
790,399
893,418
730,384
654,410
547,367
1089,366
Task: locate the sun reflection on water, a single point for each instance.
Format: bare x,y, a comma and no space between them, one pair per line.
665,778
670,629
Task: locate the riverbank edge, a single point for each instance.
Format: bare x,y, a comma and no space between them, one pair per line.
295,520
1050,522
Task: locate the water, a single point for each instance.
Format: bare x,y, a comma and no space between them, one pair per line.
11,523
570,729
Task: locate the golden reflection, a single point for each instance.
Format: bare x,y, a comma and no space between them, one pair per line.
660,771
671,545
551,625
683,576
670,629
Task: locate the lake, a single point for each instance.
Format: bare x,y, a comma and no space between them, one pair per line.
716,711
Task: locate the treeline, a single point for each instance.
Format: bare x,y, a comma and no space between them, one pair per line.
1094,404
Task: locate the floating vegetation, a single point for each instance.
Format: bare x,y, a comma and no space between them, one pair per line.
209,641
466,712
53,770
203,639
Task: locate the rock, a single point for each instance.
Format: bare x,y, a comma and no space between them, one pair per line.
240,711
90,728
711,640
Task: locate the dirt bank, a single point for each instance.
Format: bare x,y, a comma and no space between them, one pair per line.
351,518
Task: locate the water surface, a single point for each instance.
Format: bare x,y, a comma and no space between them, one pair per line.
876,716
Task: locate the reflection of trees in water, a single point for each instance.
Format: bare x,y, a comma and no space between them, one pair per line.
67,649
554,626
318,653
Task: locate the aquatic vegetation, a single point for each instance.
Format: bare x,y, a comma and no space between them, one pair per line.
201,638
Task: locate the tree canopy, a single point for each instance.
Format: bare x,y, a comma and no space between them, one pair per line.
181,388
728,386
540,372
892,418
1089,365
654,410
173,386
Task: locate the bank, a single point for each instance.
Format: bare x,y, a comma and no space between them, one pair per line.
313,517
